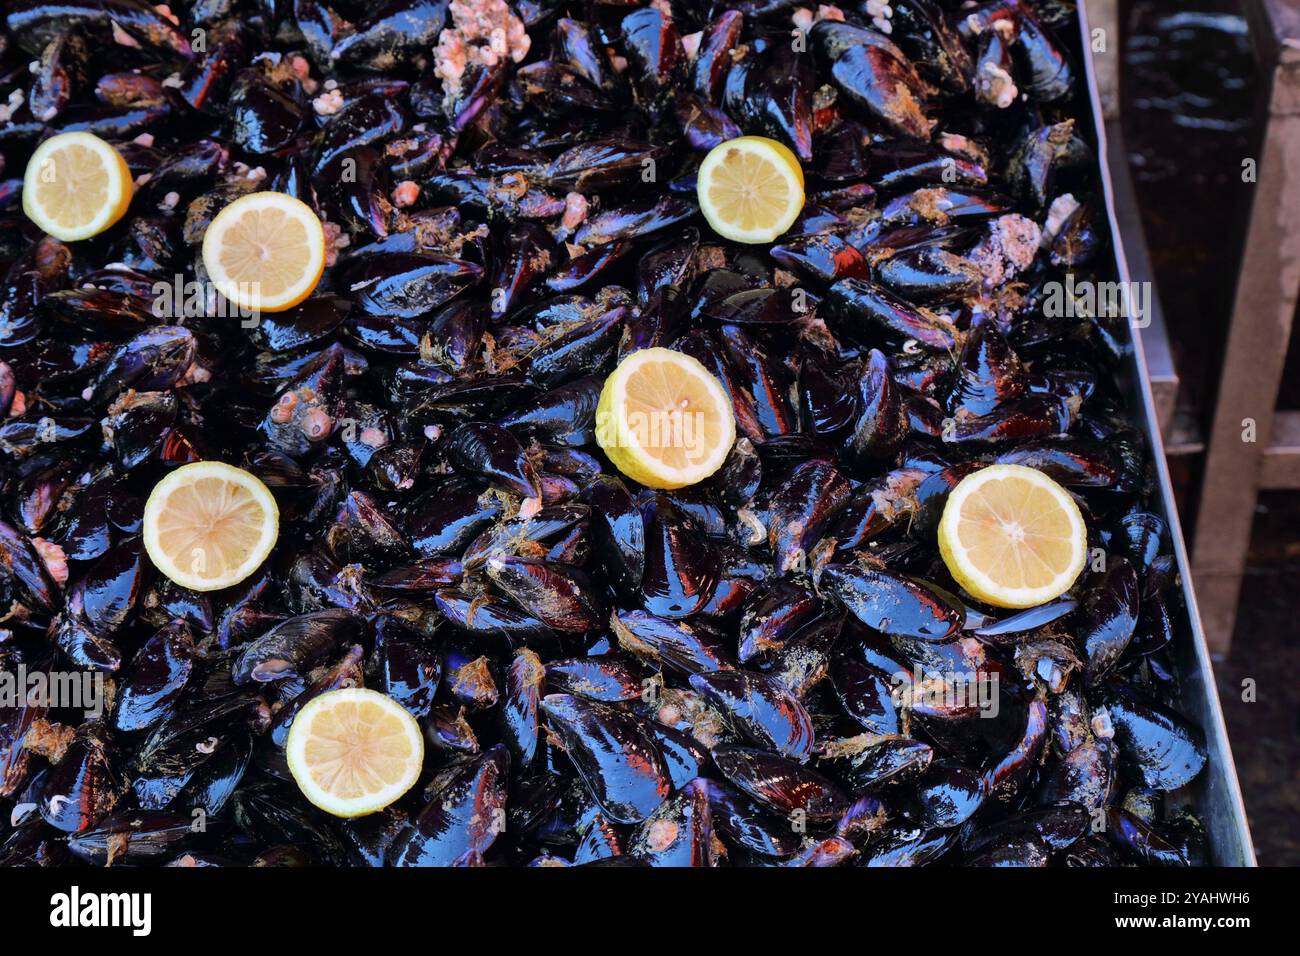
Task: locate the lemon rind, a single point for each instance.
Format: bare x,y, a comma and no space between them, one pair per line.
121,188
628,456
789,168
229,287
158,496
976,581
294,750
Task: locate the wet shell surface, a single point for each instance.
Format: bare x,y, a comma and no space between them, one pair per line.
769,666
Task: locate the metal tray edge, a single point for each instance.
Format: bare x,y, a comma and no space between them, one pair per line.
1230,840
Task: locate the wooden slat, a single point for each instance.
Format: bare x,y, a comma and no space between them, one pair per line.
1279,467
1184,436
1262,313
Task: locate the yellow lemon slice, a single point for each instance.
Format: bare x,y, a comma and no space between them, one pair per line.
354,751
265,252
750,189
663,420
76,186
1012,537
209,525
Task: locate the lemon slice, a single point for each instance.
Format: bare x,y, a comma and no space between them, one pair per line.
663,420
1012,537
354,751
750,189
76,186
265,252
208,525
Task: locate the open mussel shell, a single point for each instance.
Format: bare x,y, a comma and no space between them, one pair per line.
292,646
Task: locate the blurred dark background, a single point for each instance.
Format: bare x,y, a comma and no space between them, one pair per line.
1189,95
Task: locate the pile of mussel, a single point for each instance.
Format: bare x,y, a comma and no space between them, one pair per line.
767,668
